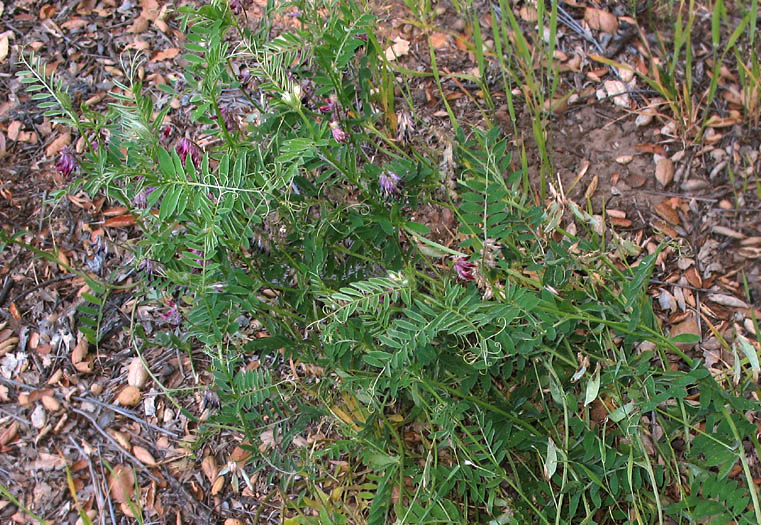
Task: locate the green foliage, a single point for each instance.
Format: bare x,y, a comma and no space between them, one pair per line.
539,393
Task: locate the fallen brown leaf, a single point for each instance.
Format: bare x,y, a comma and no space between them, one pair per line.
601,20
4,46
14,128
129,396
58,144
9,433
143,455
440,40
166,54
399,48
664,171
137,375
665,211
727,300
121,483
688,326
120,221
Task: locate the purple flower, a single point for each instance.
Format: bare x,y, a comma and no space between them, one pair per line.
464,269
389,183
362,37
338,134
66,162
141,199
166,132
188,146
149,266
172,315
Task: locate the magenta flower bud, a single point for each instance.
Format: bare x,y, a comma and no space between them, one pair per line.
166,132
389,183
338,134
188,146
66,162
464,269
327,108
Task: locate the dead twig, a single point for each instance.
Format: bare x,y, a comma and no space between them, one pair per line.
42,285
114,442
128,414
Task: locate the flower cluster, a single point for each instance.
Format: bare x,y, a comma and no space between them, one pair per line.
172,314
389,183
464,269
331,104
66,162
187,146
338,134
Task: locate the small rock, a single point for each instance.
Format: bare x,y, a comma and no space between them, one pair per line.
626,74
643,119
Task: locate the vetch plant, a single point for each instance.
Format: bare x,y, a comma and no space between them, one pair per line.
477,370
